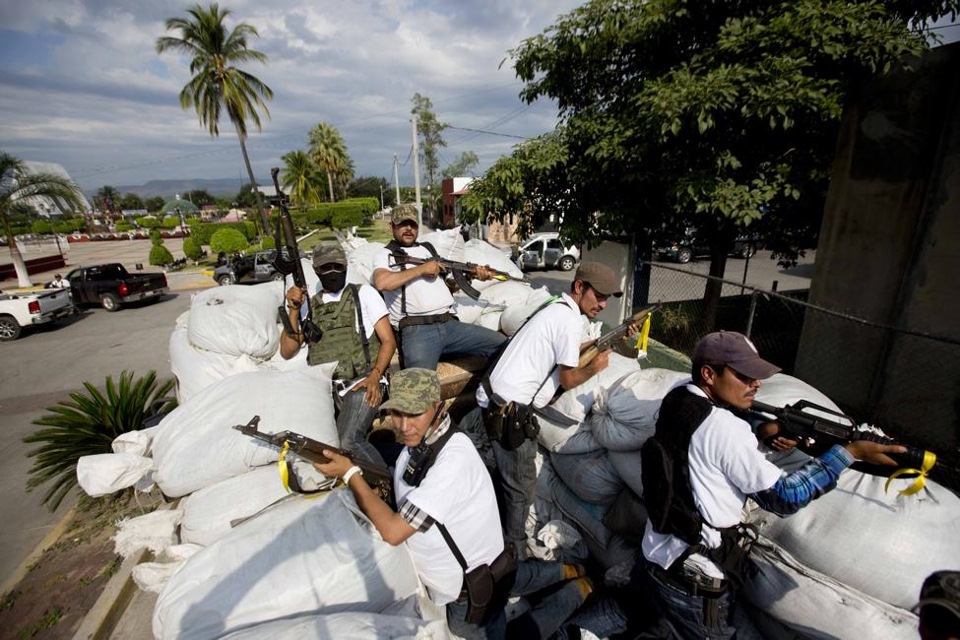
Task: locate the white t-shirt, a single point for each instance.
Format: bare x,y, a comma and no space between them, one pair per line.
725,466
372,307
457,491
552,337
425,296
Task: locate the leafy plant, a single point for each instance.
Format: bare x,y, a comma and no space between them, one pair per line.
192,248
228,240
87,424
160,255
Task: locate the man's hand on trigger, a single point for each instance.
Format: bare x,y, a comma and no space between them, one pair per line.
482,272
601,362
295,296
431,269
337,466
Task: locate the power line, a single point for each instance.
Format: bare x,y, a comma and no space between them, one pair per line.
490,133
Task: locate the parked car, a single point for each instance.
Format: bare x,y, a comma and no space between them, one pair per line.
546,251
29,309
250,269
112,286
692,247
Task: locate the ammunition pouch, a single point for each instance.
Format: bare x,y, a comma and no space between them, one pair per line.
487,587
510,424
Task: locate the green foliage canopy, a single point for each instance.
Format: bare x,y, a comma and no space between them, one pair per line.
160,256
228,240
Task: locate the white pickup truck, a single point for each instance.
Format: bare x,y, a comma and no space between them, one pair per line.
31,308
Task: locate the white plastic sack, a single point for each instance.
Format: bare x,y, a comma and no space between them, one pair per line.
506,294
152,576
627,465
139,442
571,439
237,320
625,414
360,257
589,475
301,557
482,252
842,533
468,310
196,369
781,389
515,315
209,512
106,473
818,606
490,319
577,402
155,531
347,625
448,243
196,445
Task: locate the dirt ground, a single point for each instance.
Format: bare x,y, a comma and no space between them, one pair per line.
58,590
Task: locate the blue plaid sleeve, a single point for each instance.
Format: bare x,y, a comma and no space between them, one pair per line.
796,490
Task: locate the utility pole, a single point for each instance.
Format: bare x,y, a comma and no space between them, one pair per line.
416,172
396,179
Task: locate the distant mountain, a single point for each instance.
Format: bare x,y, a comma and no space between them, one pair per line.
170,188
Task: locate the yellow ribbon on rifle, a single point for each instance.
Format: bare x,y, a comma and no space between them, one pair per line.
644,334
929,459
284,470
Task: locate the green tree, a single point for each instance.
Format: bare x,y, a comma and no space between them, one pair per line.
218,83
132,201
246,197
87,424
154,204
462,166
16,185
41,226
192,248
228,241
370,187
329,152
721,114
201,197
430,134
300,177
107,199
160,256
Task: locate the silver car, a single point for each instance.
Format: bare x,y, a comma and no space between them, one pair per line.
546,251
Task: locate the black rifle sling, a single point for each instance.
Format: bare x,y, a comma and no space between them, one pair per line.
395,249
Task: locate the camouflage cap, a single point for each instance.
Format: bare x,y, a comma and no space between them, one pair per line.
413,391
403,212
327,252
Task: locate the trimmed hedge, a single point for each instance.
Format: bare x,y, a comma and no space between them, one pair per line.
192,249
228,240
204,231
160,256
353,212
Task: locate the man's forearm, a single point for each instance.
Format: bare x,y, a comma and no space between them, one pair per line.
391,526
290,344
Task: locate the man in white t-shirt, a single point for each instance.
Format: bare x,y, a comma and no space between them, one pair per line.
695,582
540,360
362,353
439,479
420,303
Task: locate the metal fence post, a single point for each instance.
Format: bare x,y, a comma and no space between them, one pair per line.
753,309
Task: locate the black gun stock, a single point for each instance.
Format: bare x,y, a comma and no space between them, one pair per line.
817,428
285,239
378,478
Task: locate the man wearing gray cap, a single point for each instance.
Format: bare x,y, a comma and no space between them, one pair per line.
421,306
354,332
541,359
695,547
445,501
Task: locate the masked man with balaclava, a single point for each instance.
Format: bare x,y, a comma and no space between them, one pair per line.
354,330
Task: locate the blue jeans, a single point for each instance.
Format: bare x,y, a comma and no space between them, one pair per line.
424,344
540,622
518,482
353,421
686,613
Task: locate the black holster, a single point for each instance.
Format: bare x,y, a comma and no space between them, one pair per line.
511,424
488,586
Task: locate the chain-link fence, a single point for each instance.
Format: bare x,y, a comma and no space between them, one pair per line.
911,390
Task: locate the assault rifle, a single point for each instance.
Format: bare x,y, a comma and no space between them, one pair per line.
311,450
285,240
459,270
816,428
610,338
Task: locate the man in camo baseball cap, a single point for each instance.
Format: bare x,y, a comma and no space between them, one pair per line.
413,391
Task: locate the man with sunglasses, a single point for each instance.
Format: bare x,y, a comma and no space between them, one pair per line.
539,361
355,332
421,305
724,466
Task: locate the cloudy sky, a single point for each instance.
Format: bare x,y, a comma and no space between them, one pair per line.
81,83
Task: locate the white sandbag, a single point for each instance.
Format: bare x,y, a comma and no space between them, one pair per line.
589,475
515,315
482,252
577,402
506,294
448,243
818,606
155,531
152,576
625,414
209,512
781,389
842,533
196,369
237,320
301,557
490,319
139,442
627,466
196,445
360,257
587,517
347,625
278,363
106,473
571,439
468,310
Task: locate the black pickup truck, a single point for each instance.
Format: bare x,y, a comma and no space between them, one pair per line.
111,285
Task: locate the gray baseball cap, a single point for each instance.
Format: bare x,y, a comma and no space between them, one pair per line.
327,253
404,212
600,277
733,350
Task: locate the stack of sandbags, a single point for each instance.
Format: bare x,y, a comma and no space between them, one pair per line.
303,557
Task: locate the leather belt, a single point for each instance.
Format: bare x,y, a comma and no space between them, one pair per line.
411,321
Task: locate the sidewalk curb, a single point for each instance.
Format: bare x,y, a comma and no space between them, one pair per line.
48,540
109,608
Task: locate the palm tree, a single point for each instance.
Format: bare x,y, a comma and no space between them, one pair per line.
299,175
107,199
218,83
16,185
328,151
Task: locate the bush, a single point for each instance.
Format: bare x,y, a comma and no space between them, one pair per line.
229,241
204,232
346,219
268,243
160,256
156,238
41,226
123,226
170,223
192,248
148,223
69,226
